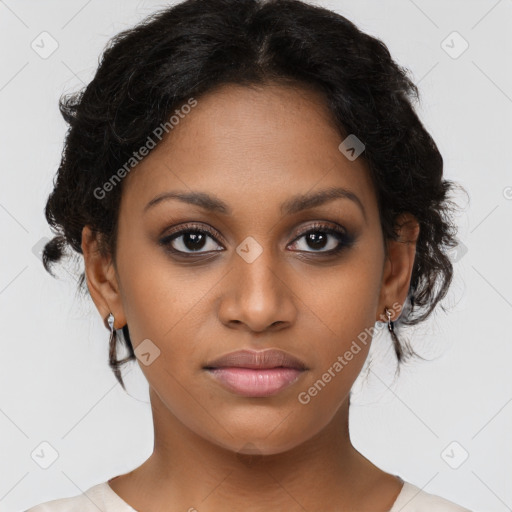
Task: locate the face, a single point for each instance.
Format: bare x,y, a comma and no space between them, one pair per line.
265,268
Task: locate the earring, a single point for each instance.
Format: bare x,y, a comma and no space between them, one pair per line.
391,329
112,352
114,363
109,323
391,325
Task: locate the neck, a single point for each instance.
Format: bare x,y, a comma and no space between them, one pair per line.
190,472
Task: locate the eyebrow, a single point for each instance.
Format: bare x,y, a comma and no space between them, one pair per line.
290,206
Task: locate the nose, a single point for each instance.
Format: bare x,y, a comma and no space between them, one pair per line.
257,295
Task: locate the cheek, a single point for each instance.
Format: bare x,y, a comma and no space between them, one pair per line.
158,296
340,318
342,302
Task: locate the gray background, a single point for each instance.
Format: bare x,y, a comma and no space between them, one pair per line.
55,383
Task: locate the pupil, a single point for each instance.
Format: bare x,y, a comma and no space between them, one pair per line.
318,240
190,241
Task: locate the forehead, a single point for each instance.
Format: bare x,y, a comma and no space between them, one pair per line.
250,144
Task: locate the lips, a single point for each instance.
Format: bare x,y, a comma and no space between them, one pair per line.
256,373
263,359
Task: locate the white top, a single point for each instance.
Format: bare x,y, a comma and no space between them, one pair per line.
101,497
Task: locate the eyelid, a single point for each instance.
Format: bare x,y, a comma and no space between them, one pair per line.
345,239
322,225
193,226
325,225
329,227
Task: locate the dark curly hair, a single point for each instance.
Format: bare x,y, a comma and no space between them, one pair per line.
147,72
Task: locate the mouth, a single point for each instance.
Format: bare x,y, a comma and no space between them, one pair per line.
256,373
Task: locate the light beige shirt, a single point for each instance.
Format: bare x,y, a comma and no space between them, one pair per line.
101,497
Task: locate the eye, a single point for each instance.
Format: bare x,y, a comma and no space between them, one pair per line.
323,238
190,240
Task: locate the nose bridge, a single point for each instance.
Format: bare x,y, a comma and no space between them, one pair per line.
257,294
256,266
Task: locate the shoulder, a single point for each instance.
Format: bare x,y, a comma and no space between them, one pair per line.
98,497
414,499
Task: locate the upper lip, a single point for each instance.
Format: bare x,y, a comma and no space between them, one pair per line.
270,358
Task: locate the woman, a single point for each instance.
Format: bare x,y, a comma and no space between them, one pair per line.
251,191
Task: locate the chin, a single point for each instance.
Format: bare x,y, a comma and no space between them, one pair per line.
258,439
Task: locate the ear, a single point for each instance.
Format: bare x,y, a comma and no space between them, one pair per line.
396,276
102,279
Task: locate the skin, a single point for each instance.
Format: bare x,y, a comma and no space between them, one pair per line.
253,148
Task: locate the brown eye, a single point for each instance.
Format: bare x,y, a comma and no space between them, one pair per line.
323,239
191,240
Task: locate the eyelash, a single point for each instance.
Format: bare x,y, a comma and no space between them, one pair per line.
345,240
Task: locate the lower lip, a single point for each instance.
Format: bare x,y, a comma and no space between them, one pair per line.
256,382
